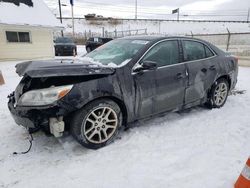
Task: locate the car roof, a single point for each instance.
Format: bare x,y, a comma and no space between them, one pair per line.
157,37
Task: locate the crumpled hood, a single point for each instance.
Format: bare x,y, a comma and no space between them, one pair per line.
67,67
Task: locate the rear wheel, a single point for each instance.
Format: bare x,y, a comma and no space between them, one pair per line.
97,124
218,94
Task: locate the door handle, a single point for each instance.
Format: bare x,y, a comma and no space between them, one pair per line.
212,67
179,76
204,70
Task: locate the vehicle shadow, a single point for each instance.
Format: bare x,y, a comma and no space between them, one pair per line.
68,146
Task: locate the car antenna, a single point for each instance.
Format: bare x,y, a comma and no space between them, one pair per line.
27,151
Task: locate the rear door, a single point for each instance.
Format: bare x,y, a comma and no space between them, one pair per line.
201,69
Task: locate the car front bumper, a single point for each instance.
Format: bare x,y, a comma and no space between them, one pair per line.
37,117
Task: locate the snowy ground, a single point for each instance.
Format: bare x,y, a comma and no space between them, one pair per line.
196,149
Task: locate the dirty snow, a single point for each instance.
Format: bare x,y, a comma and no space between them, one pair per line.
199,148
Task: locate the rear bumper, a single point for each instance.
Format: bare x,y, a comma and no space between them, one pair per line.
65,51
37,117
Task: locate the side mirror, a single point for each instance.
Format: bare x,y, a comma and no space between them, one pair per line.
146,65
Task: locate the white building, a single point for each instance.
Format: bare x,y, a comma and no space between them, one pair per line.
26,30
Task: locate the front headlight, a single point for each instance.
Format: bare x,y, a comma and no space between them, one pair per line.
42,97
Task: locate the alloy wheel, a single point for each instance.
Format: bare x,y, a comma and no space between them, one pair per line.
100,125
220,93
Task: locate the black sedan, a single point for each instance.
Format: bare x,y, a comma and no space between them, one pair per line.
65,46
94,42
123,81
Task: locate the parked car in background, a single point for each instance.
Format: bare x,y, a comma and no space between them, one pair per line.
94,42
125,80
65,46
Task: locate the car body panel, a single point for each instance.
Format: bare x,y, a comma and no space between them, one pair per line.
55,68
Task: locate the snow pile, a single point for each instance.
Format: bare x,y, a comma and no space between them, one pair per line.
38,15
192,149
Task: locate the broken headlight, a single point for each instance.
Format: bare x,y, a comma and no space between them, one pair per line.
40,97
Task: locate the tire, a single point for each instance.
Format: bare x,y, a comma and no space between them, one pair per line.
218,94
88,49
89,124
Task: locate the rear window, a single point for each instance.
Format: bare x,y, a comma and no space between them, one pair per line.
208,52
64,40
193,50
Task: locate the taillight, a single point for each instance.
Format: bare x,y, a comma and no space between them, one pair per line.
236,59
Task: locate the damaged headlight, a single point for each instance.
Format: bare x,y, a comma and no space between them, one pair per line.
42,97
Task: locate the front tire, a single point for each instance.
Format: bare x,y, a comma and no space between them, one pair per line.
97,124
218,94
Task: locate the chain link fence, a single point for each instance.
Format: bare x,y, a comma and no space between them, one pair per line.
236,43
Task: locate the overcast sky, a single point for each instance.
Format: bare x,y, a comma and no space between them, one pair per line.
189,9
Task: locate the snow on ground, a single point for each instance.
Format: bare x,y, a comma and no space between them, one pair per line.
199,148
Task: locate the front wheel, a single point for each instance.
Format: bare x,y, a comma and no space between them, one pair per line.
97,124
218,94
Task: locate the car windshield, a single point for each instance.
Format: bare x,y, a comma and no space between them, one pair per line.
115,53
64,40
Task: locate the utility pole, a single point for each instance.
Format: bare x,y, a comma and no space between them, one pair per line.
136,9
60,12
178,15
248,14
72,15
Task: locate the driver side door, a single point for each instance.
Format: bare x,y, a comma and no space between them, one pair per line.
171,75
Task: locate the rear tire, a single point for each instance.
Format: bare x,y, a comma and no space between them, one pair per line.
218,94
97,124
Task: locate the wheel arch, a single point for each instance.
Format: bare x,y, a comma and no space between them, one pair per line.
228,78
118,101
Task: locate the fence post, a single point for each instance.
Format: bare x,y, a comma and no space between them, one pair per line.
115,33
103,32
192,34
228,39
146,31
159,27
85,34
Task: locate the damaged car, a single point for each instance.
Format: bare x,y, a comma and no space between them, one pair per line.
127,79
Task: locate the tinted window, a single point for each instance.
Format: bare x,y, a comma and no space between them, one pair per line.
193,50
209,53
24,37
164,53
13,36
64,40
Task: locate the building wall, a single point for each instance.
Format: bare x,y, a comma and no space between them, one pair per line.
41,45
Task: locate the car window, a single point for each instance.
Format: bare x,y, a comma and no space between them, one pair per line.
117,52
193,50
64,40
96,39
209,53
164,53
